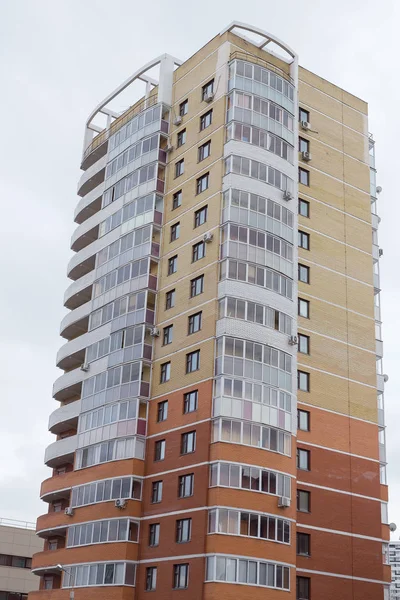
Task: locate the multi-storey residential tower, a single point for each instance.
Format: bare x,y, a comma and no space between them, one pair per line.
221,417
394,561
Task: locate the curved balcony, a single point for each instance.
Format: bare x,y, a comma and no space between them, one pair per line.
96,150
61,451
42,562
85,259
89,204
92,177
65,418
53,523
79,291
68,385
76,322
72,354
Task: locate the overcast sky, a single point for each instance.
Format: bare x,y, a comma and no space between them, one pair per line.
58,59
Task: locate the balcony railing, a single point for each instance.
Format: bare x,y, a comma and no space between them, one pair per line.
16,523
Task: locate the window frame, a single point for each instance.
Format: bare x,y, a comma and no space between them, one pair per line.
302,142
197,216
207,88
305,453
303,539
175,231
303,596
151,579
306,338
192,320
185,442
304,174
303,239
179,167
299,378
159,450
187,401
154,535
305,203
208,115
177,200
177,575
184,107
170,299
172,264
156,491
300,412
182,485
299,303
201,149
195,251
165,371
304,113
162,411
307,495
167,335
306,270
180,526
189,358
193,285
181,138
199,183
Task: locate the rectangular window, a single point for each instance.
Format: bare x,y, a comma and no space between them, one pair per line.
303,381
165,374
181,576
190,401
48,582
200,216
162,411
303,459
304,273
202,183
304,145
304,208
204,151
302,588
181,138
186,485
156,492
303,240
179,167
198,251
183,530
303,501
151,578
170,299
175,230
304,176
188,442
176,200
172,264
154,534
304,115
303,420
206,120
167,335
193,361
303,544
52,545
197,286
183,108
207,90
304,343
304,308
159,450
194,323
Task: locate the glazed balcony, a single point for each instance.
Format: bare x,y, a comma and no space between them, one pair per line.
90,204
76,322
80,291
65,418
92,177
61,451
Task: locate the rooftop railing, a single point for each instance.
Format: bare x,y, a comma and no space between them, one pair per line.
16,523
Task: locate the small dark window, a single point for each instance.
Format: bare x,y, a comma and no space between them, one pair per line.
172,264
159,450
303,381
303,240
183,530
175,230
304,208
206,120
303,420
303,501
303,459
167,335
303,544
179,167
304,343
198,251
207,90
181,138
200,216
188,442
193,361
302,588
162,411
304,273
304,145
204,151
181,576
151,578
196,286
183,108
194,323
165,374
186,485
304,176
154,534
304,308
156,492
190,401
202,183
304,115
176,200
170,299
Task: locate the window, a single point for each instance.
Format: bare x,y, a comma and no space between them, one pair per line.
48,582
167,335
151,578
303,420
181,138
303,240
202,183
165,374
183,530
183,108
304,176
156,492
207,89
179,167
304,145
194,323
193,361
303,459
303,381
304,115
303,544
304,208
302,588
190,402
172,264
175,229
57,506
21,562
154,534
206,120
197,286
204,151
304,273
52,545
200,216
303,501
181,576
186,485
176,200
162,411
304,343
159,450
198,251
170,299
304,308
188,442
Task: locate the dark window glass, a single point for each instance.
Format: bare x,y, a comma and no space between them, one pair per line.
190,401
207,90
304,208
200,216
303,459
197,286
206,120
303,544
156,492
186,485
303,501
183,108
167,335
176,200
193,361
170,299
303,420
162,411
188,442
181,138
304,176
172,264
202,183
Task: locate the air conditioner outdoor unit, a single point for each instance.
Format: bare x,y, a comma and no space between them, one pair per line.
305,125
85,367
293,340
209,97
380,251
120,503
178,120
283,502
306,156
169,148
155,332
69,511
287,195
208,237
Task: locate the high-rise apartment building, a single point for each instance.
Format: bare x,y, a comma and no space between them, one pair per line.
221,408
394,561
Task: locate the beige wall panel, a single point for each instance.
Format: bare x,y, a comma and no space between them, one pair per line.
363,402
324,159
362,366
361,331
314,98
324,285
190,85
196,59
185,266
355,119
356,173
354,144
358,265
332,90
357,203
325,130
324,188
325,219
358,233
325,252
360,298
187,228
